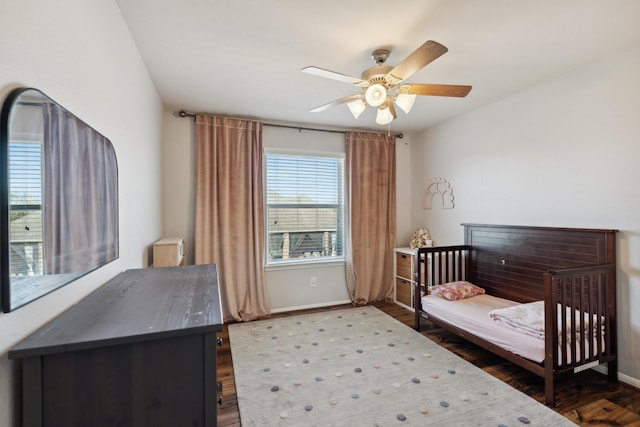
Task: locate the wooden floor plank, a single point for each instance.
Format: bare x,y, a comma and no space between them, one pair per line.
586,398
602,412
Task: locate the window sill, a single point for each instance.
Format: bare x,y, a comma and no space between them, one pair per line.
307,263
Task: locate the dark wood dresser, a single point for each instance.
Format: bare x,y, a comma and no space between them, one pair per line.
139,351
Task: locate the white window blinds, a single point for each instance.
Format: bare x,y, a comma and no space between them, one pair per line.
305,207
26,208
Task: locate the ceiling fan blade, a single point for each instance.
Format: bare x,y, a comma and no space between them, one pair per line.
459,91
418,59
337,102
332,75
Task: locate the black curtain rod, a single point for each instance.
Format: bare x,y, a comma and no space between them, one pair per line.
301,128
183,113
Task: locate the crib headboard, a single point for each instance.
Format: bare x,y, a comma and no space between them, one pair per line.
509,261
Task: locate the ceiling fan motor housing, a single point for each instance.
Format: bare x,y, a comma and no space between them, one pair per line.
376,74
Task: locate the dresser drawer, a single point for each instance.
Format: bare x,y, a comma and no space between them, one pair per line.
403,291
403,265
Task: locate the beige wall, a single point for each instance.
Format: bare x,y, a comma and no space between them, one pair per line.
80,53
178,179
564,153
404,184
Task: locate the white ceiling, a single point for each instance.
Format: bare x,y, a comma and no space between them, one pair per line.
243,58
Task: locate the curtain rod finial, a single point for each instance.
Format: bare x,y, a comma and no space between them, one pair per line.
183,113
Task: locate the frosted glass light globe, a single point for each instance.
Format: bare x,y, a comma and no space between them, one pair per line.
375,95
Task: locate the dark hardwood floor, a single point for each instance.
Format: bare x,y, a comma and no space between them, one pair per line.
587,398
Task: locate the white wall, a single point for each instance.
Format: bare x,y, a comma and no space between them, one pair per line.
178,180
404,184
564,153
80,53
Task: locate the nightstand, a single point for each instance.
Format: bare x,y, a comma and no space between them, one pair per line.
404,275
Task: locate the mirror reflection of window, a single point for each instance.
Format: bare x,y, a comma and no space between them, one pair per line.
60,202
25,208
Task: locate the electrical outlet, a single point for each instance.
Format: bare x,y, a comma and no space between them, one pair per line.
313,281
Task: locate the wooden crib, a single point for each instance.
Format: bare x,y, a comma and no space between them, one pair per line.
571,270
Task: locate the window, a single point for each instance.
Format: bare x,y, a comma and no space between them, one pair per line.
305,208
25,201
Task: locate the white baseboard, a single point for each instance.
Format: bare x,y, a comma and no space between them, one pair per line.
629,380
304,307
634,382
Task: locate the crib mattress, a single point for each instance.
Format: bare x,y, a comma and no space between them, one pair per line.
471,315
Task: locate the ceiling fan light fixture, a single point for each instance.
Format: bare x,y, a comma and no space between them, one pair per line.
375,95
382,84
357,107
385,115
405,101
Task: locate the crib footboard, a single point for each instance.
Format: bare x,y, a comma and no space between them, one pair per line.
437,265
580,321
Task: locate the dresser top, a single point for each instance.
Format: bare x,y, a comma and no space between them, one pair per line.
136,305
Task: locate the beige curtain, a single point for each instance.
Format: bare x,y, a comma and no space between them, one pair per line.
371,190
229,223
80,233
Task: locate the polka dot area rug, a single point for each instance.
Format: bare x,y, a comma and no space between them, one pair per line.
361,367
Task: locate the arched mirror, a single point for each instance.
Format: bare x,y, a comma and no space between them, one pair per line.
58,196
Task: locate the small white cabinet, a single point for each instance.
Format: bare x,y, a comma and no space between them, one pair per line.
169,252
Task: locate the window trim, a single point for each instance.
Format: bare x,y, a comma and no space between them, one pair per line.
303,262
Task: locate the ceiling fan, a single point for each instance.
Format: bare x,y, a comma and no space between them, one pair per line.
382,84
